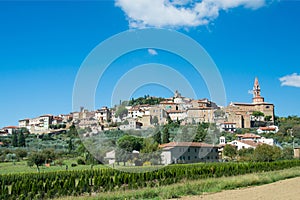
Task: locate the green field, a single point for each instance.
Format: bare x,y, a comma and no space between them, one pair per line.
21,167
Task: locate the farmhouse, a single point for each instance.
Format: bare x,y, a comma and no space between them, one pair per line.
188,152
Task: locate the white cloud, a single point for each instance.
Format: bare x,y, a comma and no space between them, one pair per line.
152,52
178,13
290,80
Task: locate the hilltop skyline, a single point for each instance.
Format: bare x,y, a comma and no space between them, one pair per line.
43,45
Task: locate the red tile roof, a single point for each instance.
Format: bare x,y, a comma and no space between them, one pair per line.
186,144
174,111
267,128
248,135
10,127
251,143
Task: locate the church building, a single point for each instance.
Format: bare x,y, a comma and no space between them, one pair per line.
243,113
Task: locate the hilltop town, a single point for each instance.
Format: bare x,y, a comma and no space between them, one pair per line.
136,115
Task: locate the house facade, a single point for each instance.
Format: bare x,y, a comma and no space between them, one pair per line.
188,152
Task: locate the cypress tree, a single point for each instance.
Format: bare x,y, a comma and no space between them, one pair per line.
14,141
166,135
21,139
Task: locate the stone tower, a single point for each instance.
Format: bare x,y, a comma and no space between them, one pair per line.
256,93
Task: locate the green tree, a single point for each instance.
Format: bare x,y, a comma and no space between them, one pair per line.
166,135
130,143
121,112
157,137
246,154
70,145
200,133
14,139
155,120
288,153
230,151
258,114
49,155
72,131
37,159
268,118
21,153
149,145
21,139
267,153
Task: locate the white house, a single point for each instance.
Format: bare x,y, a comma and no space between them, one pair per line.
176,114
8,130
188,152
136,112
228,126
132,124
24,123
110,157
268,129
103,114
40,124
244,144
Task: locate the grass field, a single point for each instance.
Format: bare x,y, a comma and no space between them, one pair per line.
21,167
210,185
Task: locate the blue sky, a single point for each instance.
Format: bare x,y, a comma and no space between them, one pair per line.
43,44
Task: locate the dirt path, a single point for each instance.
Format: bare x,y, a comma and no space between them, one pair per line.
281,190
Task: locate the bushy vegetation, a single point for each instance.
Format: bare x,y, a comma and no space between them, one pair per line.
56,184
145,100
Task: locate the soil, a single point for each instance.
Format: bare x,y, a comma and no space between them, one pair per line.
282,190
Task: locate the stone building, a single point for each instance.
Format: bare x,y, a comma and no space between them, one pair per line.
188,152
242,113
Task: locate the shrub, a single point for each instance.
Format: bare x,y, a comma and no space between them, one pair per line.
73,165
80,161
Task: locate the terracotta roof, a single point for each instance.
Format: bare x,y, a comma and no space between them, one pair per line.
57,118
10,127
186,144
251,104
267,128
251,143
174,111
201,108
248,135
47,115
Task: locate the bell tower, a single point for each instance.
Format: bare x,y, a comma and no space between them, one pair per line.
256,93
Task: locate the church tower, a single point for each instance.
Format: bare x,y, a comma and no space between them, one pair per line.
256,93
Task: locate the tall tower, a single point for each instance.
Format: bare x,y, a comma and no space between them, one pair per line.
256,93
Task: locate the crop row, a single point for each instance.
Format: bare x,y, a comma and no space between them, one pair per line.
63,183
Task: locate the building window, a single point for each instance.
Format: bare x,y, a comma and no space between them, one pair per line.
189,158
195,150
188,149
267,106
